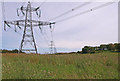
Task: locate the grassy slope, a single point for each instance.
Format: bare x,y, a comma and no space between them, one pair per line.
87,66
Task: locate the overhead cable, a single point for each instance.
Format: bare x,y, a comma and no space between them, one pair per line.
71,10
86,11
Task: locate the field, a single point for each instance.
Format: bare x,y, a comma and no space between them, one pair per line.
73,66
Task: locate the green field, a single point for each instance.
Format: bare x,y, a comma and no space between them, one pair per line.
73,66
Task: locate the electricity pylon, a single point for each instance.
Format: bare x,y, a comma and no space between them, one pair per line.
28,24
52,48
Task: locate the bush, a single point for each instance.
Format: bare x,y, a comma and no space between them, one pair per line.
9,51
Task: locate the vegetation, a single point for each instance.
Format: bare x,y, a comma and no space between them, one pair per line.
103,64
104,47
87,49
67,66
9,51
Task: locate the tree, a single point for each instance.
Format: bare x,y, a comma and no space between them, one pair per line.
78,51
85,49
111,47
117,47
5,51
9,51
96,48
92,50
15,51
103,47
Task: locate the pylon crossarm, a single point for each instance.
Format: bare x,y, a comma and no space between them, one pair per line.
15,23
22,23
19,22
41,23
25,8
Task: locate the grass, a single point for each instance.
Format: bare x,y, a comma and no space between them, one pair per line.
73,66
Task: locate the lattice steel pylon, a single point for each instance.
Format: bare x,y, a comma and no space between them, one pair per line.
52,48
28,24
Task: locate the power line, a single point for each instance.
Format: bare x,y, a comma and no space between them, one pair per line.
43,36
71,10
3,10
45,33
40,41
46,40
15,32
87,11
46,37
39,19
43,3
23,4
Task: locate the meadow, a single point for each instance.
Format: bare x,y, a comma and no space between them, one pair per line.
102,65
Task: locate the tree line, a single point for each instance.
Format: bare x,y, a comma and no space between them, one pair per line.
87,49
9,51
103,47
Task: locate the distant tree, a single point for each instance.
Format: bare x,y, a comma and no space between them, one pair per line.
92,50
4,51
0,51
15,51
107,47
103,47
9,51
117,47
85,49
96,48
111,47
78,51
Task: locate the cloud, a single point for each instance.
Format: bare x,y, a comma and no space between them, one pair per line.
76,44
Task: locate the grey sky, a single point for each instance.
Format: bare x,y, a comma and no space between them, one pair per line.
91,29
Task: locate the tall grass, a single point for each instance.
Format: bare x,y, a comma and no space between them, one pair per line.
74,66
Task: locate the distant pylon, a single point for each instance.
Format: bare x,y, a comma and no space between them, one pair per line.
52,45
52,48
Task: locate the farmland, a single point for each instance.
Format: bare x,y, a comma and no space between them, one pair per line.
102,65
